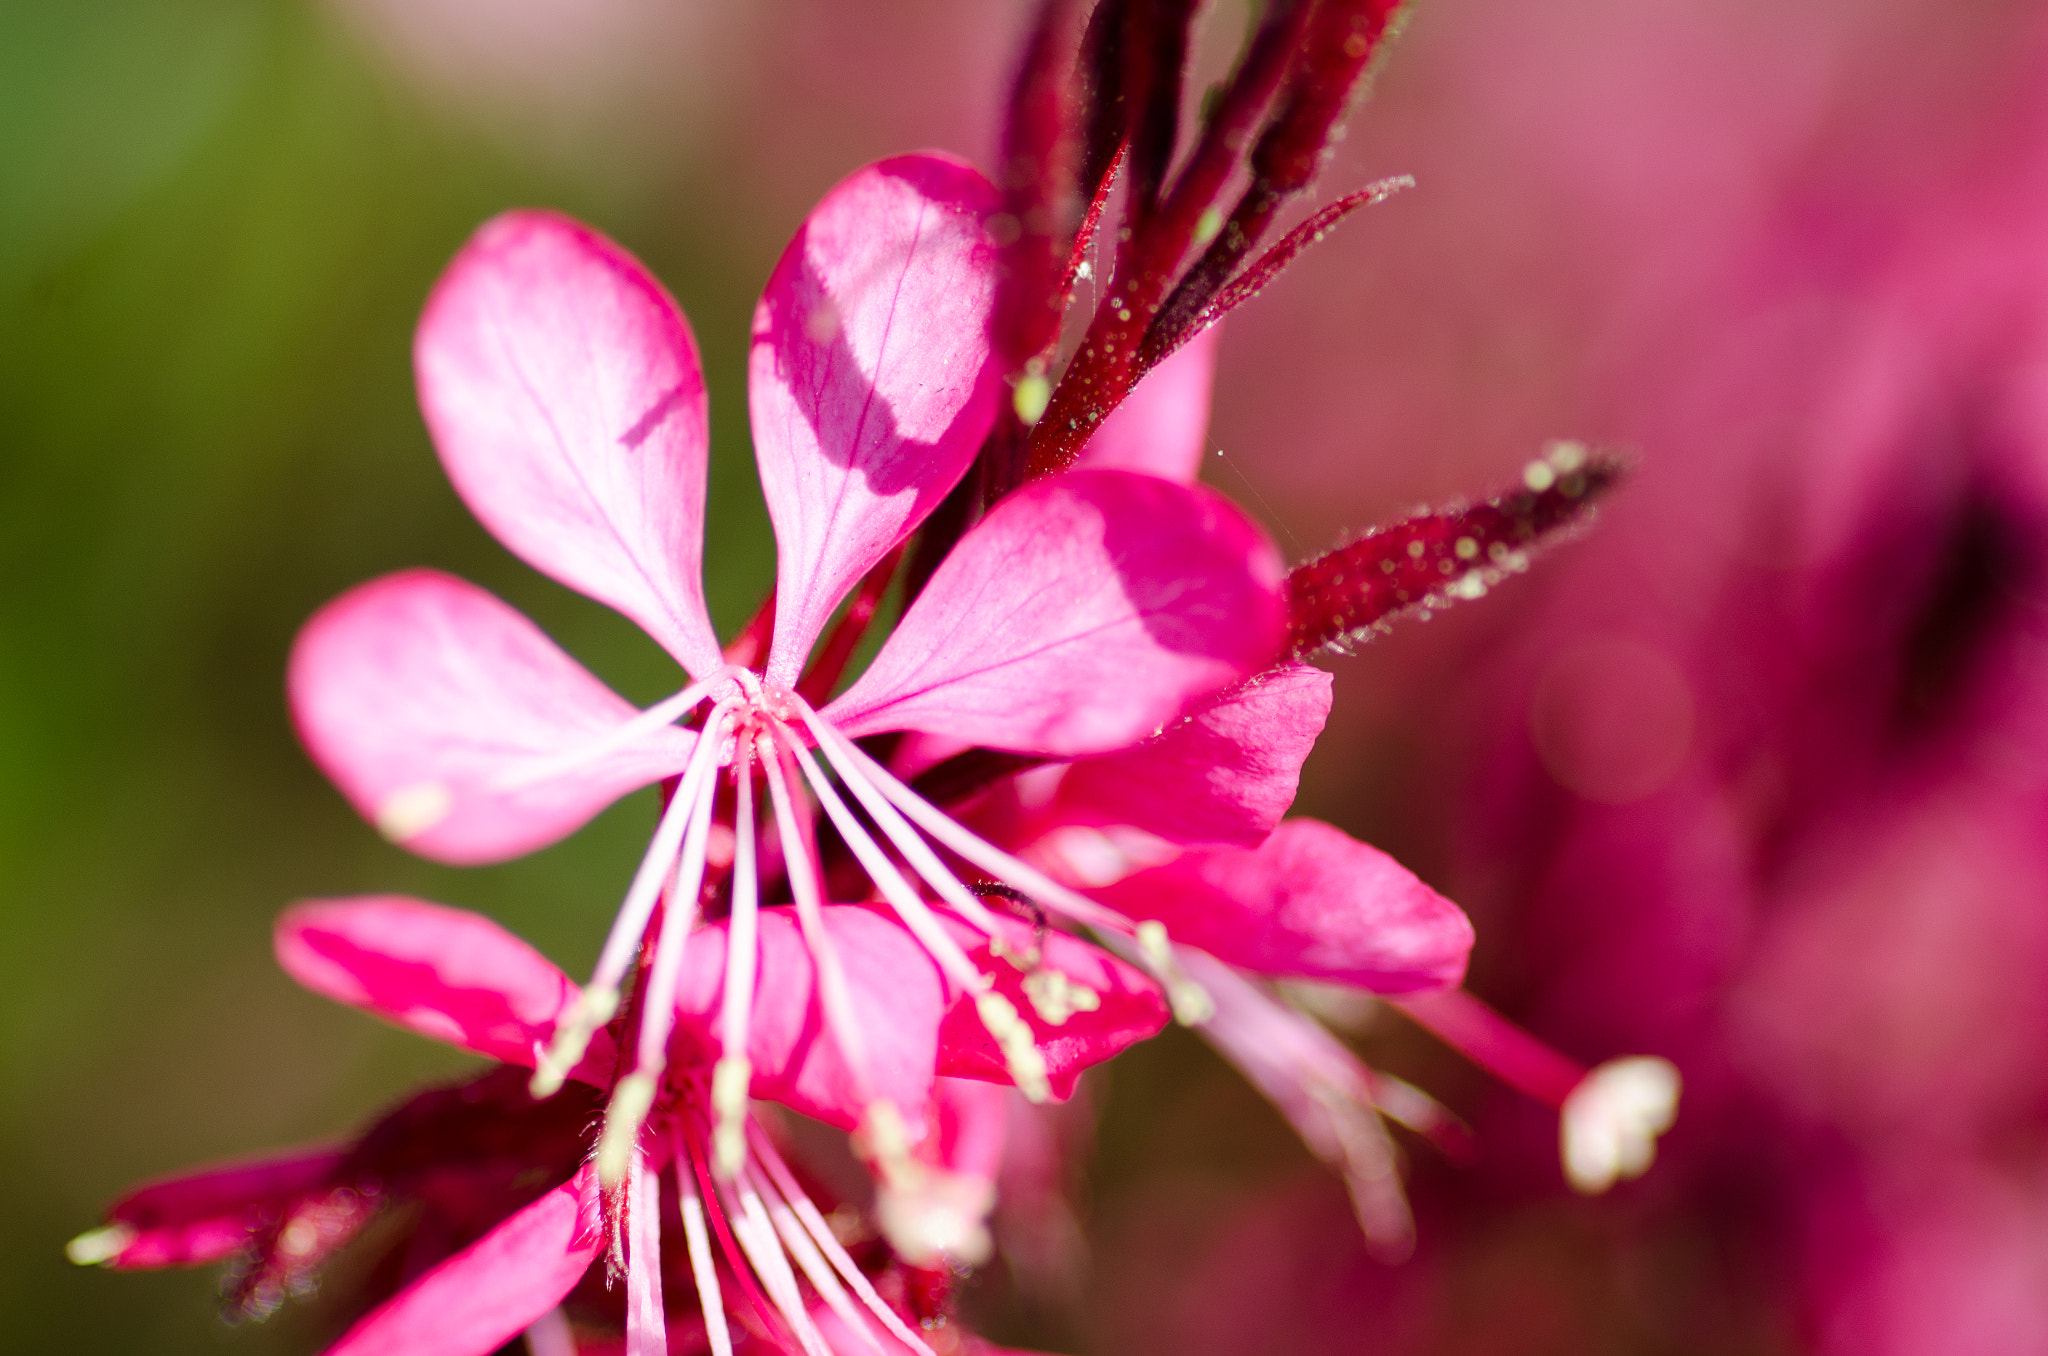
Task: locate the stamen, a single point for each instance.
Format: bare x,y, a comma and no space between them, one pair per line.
410,811
909,907
664,712
631,1101
96,1247
698,1240
1610,1122
914,849
600,998
1055,997
757,1236
590,1010
1191,1005
1322,1089
732,1075
931,1216
646,1324
829,1244
801,864
807,1256
658,1014
1020,1049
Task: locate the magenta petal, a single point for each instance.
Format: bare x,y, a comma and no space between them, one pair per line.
1311,901
1224,775
872,381
896,992
1082,614
426,700
1162,426
446,973
1129,1008
204,1215
562,388
492,1290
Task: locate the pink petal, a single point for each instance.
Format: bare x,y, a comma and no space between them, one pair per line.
897,995
1224,775
1129,1009
204,1215
971,1121
1162,426
484,1295
427,700
1310,901
562,388
1082,614
872,382
446,973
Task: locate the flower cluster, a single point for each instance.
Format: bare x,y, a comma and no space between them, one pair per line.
1046,815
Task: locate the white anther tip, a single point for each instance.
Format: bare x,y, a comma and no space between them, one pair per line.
935,1215
411,810
1610,1123
96,1247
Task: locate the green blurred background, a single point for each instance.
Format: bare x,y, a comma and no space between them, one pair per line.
217,224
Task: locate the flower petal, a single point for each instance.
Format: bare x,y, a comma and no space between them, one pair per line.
1224,775
1310,901
426,700
489,1292
1082,614
1162,426
872,381
1126,1008
896,993
562,388
446,973
206,1214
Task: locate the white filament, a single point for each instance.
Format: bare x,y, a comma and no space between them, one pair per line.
807,1256
828,1243
698,1239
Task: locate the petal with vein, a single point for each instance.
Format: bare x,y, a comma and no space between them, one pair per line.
1084,613
872,381
1310,901
446,973
562,388
425,698
1224,775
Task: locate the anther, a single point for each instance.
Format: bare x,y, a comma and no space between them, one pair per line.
1056,997
1190,1002
591,1010
410,811
631,1102
1608,1126
96,1247
730,1079
1020,1051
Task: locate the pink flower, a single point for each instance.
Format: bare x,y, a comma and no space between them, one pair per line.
509,1216
562,389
